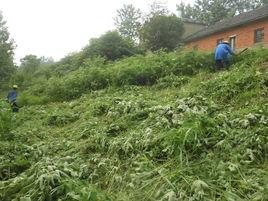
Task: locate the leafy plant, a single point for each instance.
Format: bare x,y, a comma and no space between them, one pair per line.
6,122
193,135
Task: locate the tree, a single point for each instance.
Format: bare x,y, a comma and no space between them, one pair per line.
111,45
158,8
162,32
46,61
7,66
128,21
242,6
185,11
30,63
213,11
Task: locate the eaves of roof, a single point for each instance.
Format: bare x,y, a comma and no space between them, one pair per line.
239,20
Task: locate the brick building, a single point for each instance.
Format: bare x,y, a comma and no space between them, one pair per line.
245,30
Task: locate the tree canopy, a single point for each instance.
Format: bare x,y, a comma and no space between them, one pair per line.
128,21
158,8
213,11
162,32
110,45
7,66
30,63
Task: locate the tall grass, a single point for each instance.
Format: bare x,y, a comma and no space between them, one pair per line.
190,137
137,70
6,121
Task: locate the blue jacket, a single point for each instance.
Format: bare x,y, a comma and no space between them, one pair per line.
223,52
12,96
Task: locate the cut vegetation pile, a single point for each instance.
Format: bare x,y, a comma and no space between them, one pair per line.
162,127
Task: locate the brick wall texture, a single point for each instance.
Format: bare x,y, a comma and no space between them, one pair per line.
244,37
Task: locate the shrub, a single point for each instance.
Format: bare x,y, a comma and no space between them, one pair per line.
111,45
137,70
76,83
189,63
227,87
6,124
28,99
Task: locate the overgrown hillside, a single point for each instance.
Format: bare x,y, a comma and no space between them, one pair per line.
162,127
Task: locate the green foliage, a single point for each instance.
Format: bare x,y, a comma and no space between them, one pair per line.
44,71
22,79
138,70
111,45
76,83
6,122
195,135
26,99
7,67
12,169
32,70
158,8
52,180
30,63
211,12
172,81
226,87
68,64
61,119
162,32
128,21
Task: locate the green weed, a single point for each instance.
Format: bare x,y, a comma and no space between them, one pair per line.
194,135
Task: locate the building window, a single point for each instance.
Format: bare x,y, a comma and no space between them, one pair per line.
219,41
232,41
259,35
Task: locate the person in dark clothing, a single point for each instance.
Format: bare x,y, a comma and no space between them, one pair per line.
12,98
223,53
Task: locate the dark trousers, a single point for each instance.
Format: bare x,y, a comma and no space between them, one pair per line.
220,64
15,107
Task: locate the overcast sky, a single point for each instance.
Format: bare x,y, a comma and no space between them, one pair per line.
54,28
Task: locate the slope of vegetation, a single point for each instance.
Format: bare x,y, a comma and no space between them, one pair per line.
161,127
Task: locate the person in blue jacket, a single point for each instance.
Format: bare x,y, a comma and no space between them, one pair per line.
223,54
12,98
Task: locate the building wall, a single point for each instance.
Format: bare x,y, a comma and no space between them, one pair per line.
244,37
191,28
